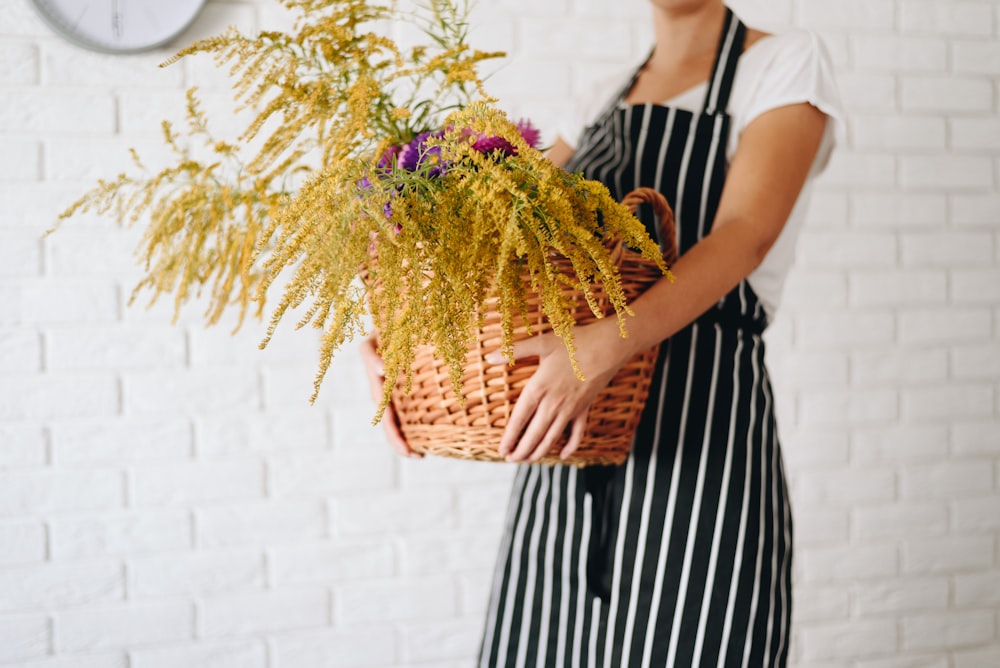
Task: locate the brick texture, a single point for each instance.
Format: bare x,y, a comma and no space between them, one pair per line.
169,498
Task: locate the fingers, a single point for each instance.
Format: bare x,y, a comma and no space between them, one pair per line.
577,432
376,381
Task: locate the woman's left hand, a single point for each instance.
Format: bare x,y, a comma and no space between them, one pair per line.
555,398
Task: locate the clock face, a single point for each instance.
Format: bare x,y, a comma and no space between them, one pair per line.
119,26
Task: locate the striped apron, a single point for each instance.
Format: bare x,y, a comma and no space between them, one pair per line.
682,555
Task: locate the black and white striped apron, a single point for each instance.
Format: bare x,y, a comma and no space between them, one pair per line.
682,555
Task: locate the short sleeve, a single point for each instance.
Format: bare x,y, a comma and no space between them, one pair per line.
587,107
797,68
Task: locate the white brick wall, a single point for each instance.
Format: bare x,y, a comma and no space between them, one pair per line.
168,498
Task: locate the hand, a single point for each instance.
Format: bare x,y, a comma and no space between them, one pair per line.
376,381
555,398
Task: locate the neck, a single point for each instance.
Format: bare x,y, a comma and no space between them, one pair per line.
687,33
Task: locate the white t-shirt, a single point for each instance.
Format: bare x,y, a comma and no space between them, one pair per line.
776,71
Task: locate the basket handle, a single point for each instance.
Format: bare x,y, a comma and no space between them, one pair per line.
668,229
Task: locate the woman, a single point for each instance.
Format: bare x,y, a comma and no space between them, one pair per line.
681,556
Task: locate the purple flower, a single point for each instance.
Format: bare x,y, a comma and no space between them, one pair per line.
529,132
494,144
387,209
389,157
364,184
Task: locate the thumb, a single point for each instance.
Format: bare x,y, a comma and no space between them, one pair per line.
533,346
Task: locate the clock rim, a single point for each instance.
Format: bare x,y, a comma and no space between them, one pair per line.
61,30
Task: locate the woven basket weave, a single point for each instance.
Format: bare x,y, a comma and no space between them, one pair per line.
433,421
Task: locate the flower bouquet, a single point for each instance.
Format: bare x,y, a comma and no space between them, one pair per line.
377,186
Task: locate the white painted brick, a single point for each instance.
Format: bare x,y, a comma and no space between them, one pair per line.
437,471
330,562
977,590
947,402
22,445
50,301
441,641
951,555
325,475
827,209
216,346
842,251
877,52
117,346
23,163
977,658
870,637
102,659
946,172
945,94
535,79
976,437
58,586
123,625
814,290
941,17
243,653
892,597
393,512
113,441
911,442
976,286
975,134
194,483
976,57
20,350
192,392
262,523
844,329
981,514
37,396
821,527
24,638
114,534
356,646
202,573
888,288
899,209
899,366
844,486
841,407
942,325
847,14
815,448
246,614
440,553
947,629
898,521
946,250
22,542
483,506
946,480
817,604
551,38
70,66
868,92
474,591
352,429
898,133
982,209
70,252
224,435
394,600
18,63
858,170
43,492
57,112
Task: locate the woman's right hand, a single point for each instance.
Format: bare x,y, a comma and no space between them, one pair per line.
376,381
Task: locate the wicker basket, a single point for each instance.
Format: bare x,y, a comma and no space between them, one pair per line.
433,421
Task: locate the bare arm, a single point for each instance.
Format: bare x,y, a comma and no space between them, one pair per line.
764,180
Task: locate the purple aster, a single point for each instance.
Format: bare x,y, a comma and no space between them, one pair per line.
387,209
388,159
493,144
530,133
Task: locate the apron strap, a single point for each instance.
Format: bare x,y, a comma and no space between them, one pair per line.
724,70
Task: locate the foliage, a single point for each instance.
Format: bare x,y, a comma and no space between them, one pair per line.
325,196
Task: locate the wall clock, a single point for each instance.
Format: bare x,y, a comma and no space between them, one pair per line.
119,26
